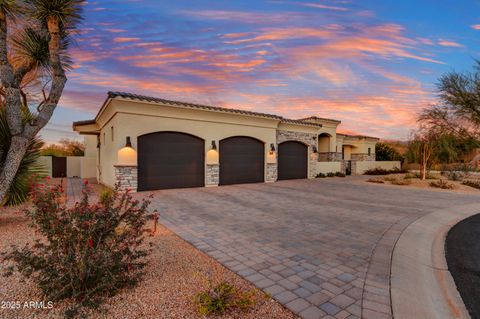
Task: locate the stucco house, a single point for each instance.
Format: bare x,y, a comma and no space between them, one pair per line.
146,143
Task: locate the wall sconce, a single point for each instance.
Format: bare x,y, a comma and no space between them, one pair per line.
214,146
314,149
129,142
272,148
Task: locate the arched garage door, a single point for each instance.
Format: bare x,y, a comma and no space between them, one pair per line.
292,160
170,160
242,160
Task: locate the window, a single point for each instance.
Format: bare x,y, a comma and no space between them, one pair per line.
369,151
111,132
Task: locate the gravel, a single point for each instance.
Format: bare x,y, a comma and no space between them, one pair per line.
176,271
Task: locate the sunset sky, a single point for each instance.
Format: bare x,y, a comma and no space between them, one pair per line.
371,64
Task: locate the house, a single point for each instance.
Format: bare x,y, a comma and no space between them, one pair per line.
146,143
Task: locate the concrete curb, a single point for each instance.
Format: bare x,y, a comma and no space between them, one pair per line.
421,285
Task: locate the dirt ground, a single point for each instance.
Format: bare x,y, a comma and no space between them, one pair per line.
418,183
176,271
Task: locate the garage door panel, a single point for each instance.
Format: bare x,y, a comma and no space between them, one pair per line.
241,161
292,160
170,160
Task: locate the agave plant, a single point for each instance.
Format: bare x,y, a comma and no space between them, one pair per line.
29,167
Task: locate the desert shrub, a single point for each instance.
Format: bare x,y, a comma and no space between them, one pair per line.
382,171
389,179
88,251
474,184
223,297
400,182
418,175
376,180
331,174
443,184
340,174
321,175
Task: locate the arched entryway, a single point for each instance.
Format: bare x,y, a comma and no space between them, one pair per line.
242,160
170,160
292,160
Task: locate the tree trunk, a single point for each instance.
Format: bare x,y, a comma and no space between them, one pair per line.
424,162
18,147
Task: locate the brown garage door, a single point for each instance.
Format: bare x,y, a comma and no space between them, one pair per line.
241,160
292,160
170,160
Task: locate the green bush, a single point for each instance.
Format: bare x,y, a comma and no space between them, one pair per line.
223,297
331,174
106,195
340,174
382,171
321,175
474,184
441,184
88,251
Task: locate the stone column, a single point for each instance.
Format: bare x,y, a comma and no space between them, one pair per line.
213,175
126,177
272,173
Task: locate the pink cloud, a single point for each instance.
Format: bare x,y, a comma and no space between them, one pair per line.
125,39
323,6
447,43
476,26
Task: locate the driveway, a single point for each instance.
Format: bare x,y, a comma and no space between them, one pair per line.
320,247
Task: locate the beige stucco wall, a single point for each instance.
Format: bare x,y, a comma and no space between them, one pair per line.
108,151
88,167
347,152
90,145
74,166
362,166
328,167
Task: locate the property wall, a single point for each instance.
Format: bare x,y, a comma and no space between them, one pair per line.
88,167
328,167
91,149
46,163
74,164
361,167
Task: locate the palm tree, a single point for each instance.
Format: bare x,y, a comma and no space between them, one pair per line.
34,42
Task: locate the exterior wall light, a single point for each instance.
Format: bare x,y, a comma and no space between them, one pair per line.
129,142
214,145
314,149
272,148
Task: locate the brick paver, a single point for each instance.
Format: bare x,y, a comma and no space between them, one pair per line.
321,247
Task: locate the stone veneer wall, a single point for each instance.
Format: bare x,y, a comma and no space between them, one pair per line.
126,177
213,174
272,172
309,139
329,157
363,157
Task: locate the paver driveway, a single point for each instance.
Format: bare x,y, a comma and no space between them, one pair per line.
321,247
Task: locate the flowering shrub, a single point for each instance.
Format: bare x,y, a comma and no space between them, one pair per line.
88,251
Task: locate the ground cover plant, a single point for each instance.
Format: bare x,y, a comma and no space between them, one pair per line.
88,251
443,184
382,171
474,184
376,180
223,297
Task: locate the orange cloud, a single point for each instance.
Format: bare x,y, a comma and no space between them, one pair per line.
125,39
476,26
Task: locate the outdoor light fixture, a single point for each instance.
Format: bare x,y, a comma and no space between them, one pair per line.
129,142
272,147
214,146
314,148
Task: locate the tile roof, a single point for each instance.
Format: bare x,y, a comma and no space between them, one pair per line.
318,118
138,97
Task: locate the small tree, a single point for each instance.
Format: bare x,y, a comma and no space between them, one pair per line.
422,150
87,251
385,152
34,40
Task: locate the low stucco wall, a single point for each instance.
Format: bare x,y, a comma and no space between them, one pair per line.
328,167
46,163
364,166
88,167
74,164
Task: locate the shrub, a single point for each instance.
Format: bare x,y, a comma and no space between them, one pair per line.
454,175
331,174
340,174
321,175
400,182
474,184
441,184
376,180
418,175
106,195
223,297
88,251
382,171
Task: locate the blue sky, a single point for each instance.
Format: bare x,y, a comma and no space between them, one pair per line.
370,64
